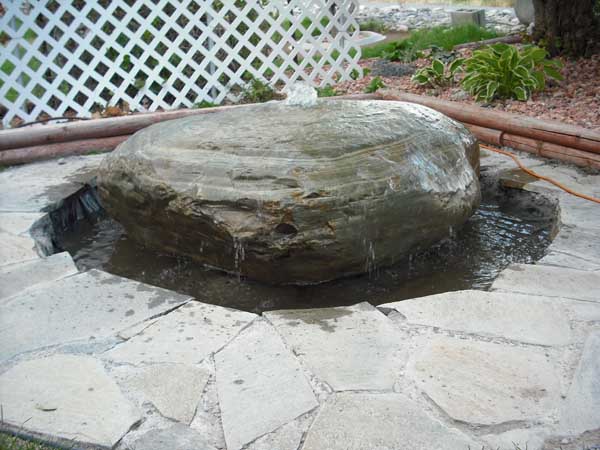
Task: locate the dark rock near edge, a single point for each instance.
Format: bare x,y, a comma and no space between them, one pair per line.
289,194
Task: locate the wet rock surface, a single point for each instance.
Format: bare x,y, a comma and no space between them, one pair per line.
288,194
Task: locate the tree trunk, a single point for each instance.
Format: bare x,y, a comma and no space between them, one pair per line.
568,27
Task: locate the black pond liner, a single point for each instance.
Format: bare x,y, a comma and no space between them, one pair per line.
511,226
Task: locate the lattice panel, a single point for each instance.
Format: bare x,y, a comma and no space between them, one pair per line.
70,57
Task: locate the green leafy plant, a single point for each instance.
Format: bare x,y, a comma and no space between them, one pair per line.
502,71
375,84
438,74
327,91
257,91
445,56
203,104
443,37
403,51
355,74
375,25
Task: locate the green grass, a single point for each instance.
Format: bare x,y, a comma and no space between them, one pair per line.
373,25
10,442
443,37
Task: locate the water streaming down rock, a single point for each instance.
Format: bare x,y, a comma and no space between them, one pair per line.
295,193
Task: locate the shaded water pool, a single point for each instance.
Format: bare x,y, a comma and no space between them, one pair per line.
507,228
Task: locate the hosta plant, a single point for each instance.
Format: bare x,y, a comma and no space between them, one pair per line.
438,74
503,71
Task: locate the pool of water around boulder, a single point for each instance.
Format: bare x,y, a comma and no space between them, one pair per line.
509,227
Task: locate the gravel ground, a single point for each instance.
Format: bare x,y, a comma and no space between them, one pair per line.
575,100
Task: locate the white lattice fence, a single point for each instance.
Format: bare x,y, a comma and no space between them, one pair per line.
69,57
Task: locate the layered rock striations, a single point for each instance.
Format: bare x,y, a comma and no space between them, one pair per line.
290,194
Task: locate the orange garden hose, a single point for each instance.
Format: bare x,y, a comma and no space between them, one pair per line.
541,177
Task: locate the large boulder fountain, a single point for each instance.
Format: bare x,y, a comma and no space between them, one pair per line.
295,194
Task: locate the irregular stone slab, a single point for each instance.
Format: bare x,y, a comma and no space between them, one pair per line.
549,282
207,420
19,223
68,397
499,314
17,277
580,213
260,384
41,186
518,439
568,176
575,248
582,409
14,249
290,198
361,421
486,383
187,335
287,437
174,389
354,347
559,259
89,305
177,437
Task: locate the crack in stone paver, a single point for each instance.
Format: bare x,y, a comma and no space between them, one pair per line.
79,307
359,421
174,389
187,335
260,385
485,383
581,411
494,314
549,282
15,278
355,347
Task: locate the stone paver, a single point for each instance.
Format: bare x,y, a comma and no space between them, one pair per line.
579,213
525,318
349,348
582,409
486,383
15,249
260,384
560,259
19,223
40,186
66,396
174,389
574,248
549,281
287,437
176,437
89,306
187,335
364,421
17,277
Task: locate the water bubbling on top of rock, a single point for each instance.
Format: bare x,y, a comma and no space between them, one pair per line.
300,94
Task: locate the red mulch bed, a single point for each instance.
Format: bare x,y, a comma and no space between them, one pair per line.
575,100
